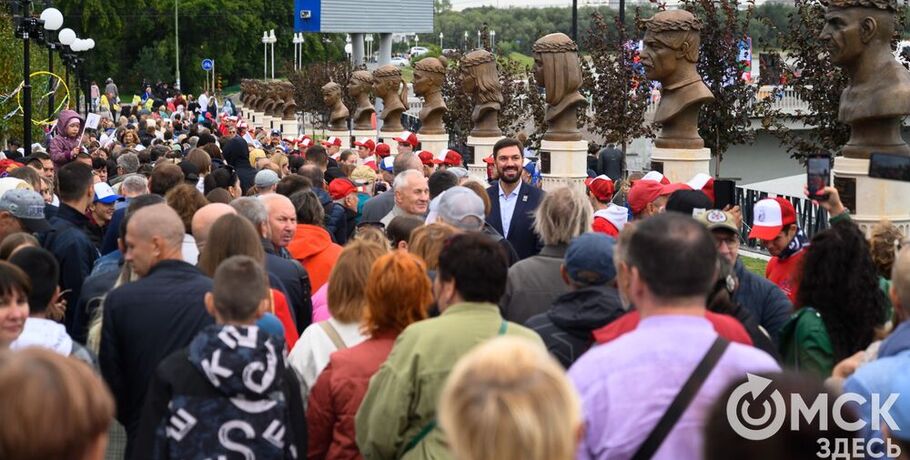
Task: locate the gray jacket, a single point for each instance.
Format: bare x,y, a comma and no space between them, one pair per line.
377,207
533,284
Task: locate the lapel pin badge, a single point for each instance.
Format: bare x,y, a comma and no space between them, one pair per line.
524,199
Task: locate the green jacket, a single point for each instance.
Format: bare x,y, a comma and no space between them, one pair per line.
402,397
805,344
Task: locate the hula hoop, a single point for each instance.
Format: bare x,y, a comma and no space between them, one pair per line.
63,102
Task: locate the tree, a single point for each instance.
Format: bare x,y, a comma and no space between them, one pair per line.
727,120
618,89
308,83
819,84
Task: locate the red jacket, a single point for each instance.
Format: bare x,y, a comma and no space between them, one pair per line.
785,273
312,246
604,226
726,326
281,310
337,395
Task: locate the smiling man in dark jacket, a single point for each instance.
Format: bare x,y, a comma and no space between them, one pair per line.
591,303
148,319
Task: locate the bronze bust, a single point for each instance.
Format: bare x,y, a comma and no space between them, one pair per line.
429,76
360,87
289,109
557,68
338,118
391,88
670,53
480,80
858,34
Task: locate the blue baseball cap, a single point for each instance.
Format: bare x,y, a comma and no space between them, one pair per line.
105,194
387,164
589,259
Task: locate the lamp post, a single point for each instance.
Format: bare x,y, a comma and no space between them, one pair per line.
265,55
29,27
440,41
369,40
478,40
176,45
466,40
296,42
51,23
492,41
272,40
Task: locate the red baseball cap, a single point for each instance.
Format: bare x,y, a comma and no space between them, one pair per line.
668,189
656,177
642,193
336,141
407,137
703,182
601,187
427,158
365,142
340,188
449,157
383,150
489,160
771,215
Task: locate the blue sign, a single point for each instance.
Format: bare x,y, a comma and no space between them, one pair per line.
208,65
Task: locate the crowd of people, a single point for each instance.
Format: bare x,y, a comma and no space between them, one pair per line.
181,285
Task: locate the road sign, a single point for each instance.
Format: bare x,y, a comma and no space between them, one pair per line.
207,65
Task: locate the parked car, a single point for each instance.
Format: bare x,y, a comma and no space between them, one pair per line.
400,61
418,51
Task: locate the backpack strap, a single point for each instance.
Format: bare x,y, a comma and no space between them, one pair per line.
333,334
682,400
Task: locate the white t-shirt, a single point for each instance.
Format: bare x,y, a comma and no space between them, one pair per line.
311,352
203,103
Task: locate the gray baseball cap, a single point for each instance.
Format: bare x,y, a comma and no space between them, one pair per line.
462,208
28,207
266,178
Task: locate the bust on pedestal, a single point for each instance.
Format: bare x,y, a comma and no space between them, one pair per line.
429,76
338,115
480,80
392,89
360,87
669,56
858,34
563,153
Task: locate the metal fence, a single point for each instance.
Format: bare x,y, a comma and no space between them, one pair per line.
810,217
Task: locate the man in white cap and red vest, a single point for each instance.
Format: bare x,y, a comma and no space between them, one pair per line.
608,218
774,224
407,142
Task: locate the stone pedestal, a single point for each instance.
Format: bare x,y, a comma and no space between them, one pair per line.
433,143
253,117
680,165
563,163
483,148
871,200
362,134
290,129
345,137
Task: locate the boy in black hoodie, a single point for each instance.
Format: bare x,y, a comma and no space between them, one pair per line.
230,393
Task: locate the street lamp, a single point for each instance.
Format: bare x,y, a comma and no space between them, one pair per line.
272,40
466,40
492,40
177,45
29,27
298,58
265,55
440,41
53,20
478,40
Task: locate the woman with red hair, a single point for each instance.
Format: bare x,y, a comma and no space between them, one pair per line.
398,293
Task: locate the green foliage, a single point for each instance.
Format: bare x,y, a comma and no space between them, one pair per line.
134,39
619,95
725,121
308,83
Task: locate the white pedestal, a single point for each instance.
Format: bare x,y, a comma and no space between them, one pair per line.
345,137
483,148
680,165
362,134
253,118
563,163
871,200
433,143
290,129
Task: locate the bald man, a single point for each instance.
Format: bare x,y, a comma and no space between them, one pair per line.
148,319
203,220
282,221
